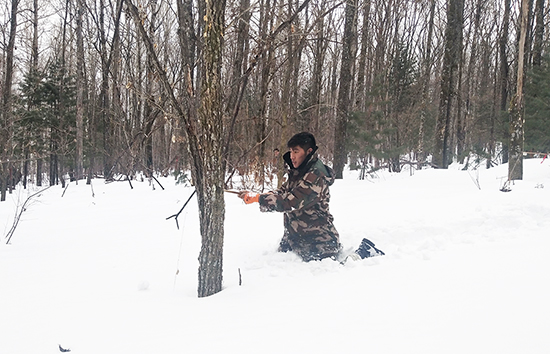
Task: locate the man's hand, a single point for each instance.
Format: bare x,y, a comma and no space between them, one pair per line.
249,197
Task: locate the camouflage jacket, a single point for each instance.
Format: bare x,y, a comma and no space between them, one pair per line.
304,199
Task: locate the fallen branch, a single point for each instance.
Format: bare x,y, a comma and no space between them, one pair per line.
17,216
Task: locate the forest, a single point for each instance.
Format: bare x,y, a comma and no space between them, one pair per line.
91,87
207,91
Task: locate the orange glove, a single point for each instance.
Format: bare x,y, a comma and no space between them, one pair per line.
249,198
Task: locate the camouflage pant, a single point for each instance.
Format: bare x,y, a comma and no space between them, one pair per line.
310,251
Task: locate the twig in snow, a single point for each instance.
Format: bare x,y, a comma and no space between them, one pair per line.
240,278
476,179
65,189
17,216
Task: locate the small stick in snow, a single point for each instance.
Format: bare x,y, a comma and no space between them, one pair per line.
18,215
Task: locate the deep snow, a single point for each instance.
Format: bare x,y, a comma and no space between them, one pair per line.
466,271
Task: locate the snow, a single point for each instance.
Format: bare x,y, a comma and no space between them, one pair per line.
466,270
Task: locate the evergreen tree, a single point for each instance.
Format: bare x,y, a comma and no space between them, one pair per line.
46,124
537,108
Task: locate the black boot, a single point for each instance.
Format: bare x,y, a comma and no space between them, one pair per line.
366,249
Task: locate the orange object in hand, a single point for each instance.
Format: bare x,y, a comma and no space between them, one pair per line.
251,198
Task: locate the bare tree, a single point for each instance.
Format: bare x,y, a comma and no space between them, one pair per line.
204,141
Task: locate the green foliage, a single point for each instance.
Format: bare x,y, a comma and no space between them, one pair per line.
363,138
389,127
402,79
46,113
537,108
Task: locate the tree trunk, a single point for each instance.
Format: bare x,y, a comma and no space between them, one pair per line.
449,80
6,114
205,140
346,78
538,41
33,73
426,84
504,73
361,69
210,188
80,81
515,166
266,63
148,98
319,53
464,119
239,60
104,94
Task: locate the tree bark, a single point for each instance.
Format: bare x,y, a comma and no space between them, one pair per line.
210,188
504,75
515,165
6,114
319,53
538,41
428,60
80,81
449,81
361,69
464,119
346,78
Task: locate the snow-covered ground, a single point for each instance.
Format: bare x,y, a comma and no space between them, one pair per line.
466,270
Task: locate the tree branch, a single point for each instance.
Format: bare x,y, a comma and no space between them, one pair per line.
17,217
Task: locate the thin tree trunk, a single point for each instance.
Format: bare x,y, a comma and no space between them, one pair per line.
426,84
80,81
361,67
504,73
462,125
340,152
538,41
148,99
266,64
33,74
104,93
239,61
515,166
6,114
319,53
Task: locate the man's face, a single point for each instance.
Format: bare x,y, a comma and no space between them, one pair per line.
298,155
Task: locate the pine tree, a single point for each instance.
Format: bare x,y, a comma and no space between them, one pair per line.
537,108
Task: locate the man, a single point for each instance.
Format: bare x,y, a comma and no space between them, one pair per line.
304,200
